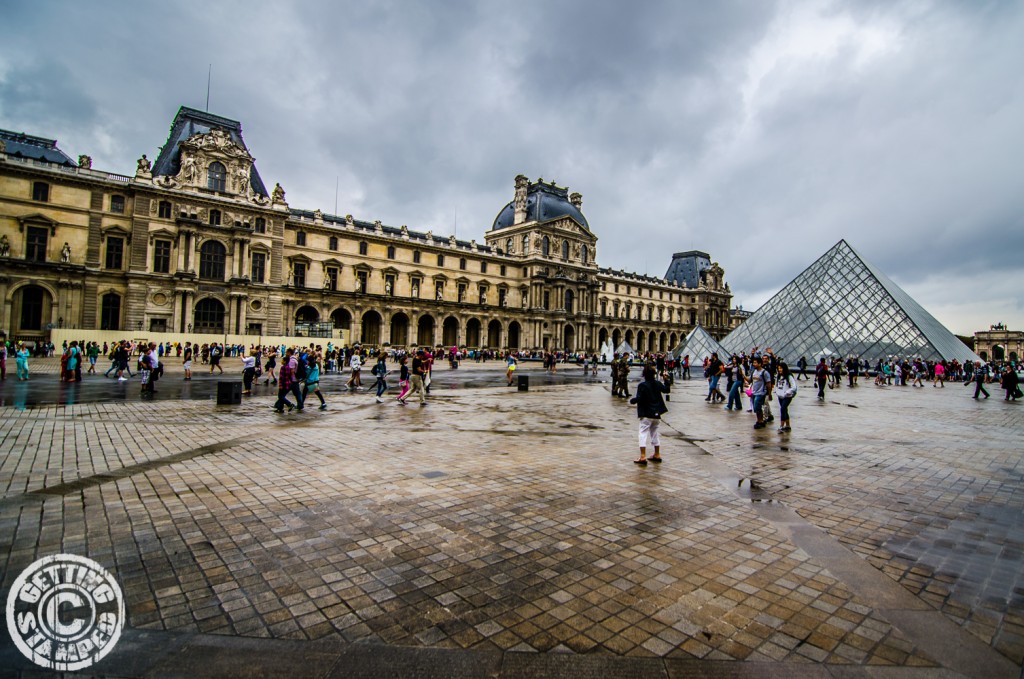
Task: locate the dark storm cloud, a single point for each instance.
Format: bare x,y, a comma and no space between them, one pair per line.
760,132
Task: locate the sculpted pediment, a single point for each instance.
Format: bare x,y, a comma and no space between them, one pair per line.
200,152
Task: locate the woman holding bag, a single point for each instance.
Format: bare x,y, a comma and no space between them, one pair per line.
785,388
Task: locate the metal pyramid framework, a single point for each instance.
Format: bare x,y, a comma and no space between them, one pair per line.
699,344
843,305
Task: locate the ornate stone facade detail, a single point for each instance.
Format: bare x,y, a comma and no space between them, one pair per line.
277,197
350,223
85,162
198,155
522,184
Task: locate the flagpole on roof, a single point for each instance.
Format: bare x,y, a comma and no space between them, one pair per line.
209,74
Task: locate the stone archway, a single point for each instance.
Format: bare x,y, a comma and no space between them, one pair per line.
641,342
342,320
602,337
370,328
473,333
450,332
494,334
425,331
306,314
569,337
998,352
399,329
629,338
662,342
514,332
616,339
31,312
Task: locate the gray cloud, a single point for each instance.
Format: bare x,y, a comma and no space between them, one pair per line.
759,132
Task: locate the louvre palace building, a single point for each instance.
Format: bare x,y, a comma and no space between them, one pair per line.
195,245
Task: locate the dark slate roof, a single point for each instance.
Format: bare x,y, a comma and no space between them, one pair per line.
544,202
190,121
23,145
370,228
633,276
686,267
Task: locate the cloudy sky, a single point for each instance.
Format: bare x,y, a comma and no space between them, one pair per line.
761,132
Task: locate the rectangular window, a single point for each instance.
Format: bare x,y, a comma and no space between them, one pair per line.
416,287
41,192
502,297
332,278
361,279
164,210
259,267
482,295
260,225
299,273
415,256
502,269
115,252
483,267
300,237
462,292
35,244
254,329
440,260
158,325
117,204
389,285
547,300
215,217
162,256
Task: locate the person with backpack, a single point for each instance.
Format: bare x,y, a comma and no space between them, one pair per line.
978,376
650,406
785,388
215,353
821,375
286,383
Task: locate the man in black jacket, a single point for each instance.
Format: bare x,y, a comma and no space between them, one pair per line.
649,408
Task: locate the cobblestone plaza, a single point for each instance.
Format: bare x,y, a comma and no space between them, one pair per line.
506,533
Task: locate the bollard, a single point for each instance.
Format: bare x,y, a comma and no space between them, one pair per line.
524,383
229,393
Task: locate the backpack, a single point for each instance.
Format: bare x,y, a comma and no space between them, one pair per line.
300,369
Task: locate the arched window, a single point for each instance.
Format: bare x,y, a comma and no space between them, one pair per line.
526,245
545,246
565,250
211,260
585,253
209,316
215,177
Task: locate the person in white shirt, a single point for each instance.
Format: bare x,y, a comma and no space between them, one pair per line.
354,382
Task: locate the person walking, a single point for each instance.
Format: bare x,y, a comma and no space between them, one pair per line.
738,380
624,376
155,368
313,378
940,375
416,378
93,351
650,406
785,388
21,362
801,366
979,375
1010,382
380,371
248,371
715,371
354,381
286,382
3,359
187,361
403,379
216,351
821,375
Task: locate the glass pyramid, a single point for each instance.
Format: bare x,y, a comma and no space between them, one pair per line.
843,305
699,344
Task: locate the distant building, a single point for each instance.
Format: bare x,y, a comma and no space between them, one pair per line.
196,242
999,343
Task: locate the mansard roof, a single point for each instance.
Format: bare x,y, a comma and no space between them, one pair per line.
23,145
190,121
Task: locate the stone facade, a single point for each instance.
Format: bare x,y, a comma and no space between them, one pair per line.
194,242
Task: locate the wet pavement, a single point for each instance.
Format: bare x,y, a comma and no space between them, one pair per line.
501,533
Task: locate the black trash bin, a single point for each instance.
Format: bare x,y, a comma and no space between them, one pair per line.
229,393
524,383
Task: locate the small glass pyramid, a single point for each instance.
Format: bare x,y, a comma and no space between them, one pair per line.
699,344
